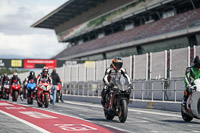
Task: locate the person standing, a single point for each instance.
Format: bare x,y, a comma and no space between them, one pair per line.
56,81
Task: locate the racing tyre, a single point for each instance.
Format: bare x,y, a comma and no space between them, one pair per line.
185,116
123,111
15,95
46,101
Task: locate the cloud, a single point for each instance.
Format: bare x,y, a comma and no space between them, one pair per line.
29,46
18,39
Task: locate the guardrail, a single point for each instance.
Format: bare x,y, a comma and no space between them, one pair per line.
159,90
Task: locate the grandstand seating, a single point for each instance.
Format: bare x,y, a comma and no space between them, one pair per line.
162,26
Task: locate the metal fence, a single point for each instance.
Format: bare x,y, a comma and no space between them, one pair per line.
158,65
146,72
162,90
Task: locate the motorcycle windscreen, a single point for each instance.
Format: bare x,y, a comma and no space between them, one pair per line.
195,104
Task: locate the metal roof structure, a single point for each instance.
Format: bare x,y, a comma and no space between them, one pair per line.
67,11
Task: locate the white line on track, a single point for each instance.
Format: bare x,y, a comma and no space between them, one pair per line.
130,109
25,122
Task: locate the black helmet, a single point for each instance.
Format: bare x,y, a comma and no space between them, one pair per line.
32,73
197,62
117,63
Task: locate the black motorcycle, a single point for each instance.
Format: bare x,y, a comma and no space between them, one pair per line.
117,100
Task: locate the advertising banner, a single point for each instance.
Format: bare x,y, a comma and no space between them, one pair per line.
39,63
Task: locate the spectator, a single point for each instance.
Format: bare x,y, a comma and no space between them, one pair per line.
56,81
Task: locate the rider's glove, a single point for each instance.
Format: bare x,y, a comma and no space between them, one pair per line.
190,90
130,86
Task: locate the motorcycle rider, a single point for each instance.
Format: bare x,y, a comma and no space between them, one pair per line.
14,79
29,78
115,70
4,80
192,73
44,75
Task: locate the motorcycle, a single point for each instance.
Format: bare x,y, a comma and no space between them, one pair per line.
43,93
192,109
117,100
31,87
15,90
6,90
59,94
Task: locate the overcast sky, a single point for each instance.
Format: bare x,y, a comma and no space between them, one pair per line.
18,39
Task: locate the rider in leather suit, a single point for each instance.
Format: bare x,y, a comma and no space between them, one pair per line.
192,73
114,71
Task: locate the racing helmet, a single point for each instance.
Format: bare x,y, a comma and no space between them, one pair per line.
117,63
15,74
197,62
45,71
32,73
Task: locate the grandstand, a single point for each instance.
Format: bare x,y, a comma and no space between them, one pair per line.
102,29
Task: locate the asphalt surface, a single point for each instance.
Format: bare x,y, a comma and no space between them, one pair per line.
139,120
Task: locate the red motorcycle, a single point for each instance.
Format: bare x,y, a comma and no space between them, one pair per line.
43,93
6,90
15,90
59,93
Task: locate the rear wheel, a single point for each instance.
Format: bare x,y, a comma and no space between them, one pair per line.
123,111
185,116
46,101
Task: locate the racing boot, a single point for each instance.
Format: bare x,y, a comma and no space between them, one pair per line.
21,97
183,103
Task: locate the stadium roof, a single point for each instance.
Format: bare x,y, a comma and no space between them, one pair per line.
65,12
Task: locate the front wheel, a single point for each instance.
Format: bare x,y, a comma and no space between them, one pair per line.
123,111
46,100
185,116
15,95
108,116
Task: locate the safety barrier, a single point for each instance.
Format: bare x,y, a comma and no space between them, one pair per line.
162,90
